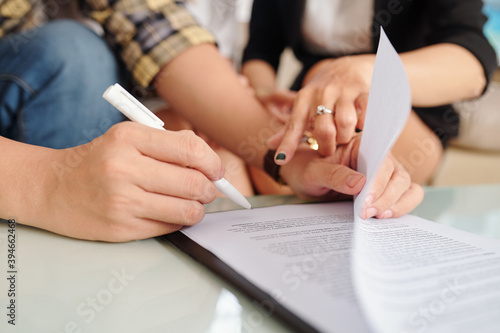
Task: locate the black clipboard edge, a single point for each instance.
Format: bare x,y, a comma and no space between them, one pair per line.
212,262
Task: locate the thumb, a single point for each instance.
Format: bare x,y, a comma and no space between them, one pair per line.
338,178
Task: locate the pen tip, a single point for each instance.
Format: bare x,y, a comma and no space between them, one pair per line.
244,203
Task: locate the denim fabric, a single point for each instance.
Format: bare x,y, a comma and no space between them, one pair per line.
51,85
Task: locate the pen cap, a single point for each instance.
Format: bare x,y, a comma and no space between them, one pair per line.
131,107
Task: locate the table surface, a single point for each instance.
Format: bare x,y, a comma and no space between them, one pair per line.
68,285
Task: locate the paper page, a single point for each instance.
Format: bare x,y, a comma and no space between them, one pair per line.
298,254
389,105
412,275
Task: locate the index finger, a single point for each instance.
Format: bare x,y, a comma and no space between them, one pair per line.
294,130
183,148
187,149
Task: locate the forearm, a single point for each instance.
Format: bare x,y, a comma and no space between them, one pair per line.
26,174
205,90
438,74
260,75
443,73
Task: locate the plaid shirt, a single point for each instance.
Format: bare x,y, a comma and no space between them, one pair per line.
146,33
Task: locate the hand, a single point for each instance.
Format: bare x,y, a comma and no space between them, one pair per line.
334,178
278,102
134,182
341,85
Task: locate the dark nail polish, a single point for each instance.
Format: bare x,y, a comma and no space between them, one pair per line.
281,156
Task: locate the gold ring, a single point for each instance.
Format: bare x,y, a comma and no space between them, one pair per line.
313,143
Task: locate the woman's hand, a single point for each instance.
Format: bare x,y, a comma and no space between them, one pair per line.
133,182
277,102
310,175
341,85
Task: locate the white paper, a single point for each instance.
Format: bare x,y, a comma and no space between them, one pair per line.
389,105
298,254
413,275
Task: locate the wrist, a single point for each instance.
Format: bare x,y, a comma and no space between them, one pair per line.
26,183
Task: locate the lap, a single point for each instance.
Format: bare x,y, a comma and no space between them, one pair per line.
51,82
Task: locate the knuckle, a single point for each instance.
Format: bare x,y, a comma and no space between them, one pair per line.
346,121
199,188
121,132
209,193
193,213
193,182
196,150
294,127
194,143
112,169
191,147
324,135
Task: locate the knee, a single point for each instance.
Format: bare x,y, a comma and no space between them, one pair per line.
68,48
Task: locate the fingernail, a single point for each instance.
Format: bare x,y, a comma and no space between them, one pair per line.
368,199
353,180
370,212
222,172
281,157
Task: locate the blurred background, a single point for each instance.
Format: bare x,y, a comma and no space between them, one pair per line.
474,157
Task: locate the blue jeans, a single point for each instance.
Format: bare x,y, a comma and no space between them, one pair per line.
51,84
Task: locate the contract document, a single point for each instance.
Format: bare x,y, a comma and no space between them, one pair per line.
395,275
322,268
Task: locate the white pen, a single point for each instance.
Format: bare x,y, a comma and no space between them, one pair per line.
136,111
